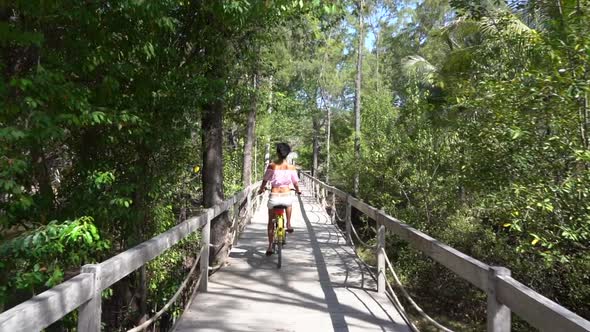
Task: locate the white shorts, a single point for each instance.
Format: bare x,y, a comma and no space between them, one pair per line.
275,199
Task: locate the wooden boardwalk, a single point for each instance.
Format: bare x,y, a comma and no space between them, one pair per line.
321,287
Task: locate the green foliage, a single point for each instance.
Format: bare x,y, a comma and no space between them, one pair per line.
38,259
96,121
100,116
475,131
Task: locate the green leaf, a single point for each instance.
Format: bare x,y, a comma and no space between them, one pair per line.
88,238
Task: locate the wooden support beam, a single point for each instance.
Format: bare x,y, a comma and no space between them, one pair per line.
89,313
333,216
380,258
348,222
204,264
499,319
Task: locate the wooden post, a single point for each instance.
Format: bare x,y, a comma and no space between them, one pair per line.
348,221
236,222
237,212
499,319
249,207
89,313
205,242
380,258
317,190
333,207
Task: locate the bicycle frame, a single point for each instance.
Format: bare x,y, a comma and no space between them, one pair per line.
279,232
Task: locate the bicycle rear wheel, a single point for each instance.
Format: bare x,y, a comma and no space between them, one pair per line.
279,254
280,238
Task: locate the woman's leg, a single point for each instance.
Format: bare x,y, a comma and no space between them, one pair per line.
289,209
270,229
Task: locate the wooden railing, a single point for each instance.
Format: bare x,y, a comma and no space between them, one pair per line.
504,293
83,292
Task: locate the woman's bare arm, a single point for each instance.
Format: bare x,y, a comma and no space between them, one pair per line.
262,186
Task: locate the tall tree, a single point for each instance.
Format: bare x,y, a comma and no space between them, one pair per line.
250,133
357,97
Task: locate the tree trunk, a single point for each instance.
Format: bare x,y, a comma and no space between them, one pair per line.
43,178
212,140
267,155
586,119
212,175
377,48
255,158
250,137
328,134
217,55
267,150
326,105
316,146
270,95
233,137
357,102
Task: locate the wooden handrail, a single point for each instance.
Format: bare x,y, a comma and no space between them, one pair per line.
49,306
504,292
84,290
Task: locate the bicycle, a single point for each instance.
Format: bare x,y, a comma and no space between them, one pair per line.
280,234
279,230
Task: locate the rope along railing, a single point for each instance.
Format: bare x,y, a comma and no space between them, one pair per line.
234,228
393,296
370,268
407,295
397,303
83,292
358,238
338,217
322,201
504,293
172,300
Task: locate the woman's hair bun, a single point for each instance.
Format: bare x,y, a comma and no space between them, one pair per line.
283,150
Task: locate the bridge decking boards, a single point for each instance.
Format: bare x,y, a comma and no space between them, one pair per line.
321,287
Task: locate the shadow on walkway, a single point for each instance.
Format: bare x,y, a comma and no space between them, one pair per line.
321,286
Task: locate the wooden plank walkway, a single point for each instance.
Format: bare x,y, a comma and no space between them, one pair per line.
321,287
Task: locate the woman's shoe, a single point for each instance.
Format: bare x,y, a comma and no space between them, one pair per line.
268,252
290,230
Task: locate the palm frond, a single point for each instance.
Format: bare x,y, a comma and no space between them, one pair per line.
460,32
505,23
419,69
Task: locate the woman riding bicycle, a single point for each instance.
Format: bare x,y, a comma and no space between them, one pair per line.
281,176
